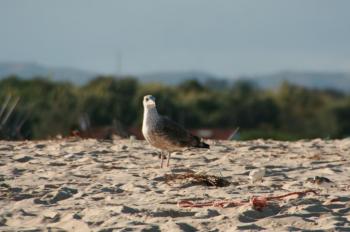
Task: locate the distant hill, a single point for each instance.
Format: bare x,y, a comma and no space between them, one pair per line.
321,80
77,76
317,80
176,77
30,70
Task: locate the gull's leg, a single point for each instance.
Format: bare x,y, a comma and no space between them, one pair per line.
167,164
161,159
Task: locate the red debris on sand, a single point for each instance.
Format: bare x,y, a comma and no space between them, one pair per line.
258,203
220,203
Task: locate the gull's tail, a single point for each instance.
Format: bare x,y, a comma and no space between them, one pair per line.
200,144
203,145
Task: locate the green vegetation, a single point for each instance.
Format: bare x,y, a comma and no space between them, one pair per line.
290,112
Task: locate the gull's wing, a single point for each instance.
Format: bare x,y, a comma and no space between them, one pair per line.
176,134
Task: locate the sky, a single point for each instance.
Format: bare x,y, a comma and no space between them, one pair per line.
223,37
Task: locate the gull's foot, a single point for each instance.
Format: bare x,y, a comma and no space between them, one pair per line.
160,156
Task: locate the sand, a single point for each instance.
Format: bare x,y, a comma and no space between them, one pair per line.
90,185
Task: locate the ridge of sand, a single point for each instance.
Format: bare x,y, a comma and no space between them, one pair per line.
90,185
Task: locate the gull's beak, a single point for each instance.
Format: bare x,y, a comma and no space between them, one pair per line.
152,98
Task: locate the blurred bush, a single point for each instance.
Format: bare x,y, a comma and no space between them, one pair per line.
48,108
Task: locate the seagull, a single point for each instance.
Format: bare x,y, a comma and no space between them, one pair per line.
163,133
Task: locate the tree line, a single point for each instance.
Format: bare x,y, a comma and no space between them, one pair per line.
47,108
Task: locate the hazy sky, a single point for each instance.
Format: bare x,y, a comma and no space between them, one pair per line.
224,37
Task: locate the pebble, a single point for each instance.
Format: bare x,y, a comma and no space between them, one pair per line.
125,210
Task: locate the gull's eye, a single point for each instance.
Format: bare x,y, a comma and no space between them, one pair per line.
147,99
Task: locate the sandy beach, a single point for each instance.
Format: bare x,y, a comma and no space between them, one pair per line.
89,185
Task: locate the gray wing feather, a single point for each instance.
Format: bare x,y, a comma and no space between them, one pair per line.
175,133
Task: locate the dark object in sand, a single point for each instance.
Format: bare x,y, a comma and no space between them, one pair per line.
319,180
208,180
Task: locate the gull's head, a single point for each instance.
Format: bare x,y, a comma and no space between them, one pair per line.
149,102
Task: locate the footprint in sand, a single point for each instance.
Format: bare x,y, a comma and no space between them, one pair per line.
58,195
251,215
22,158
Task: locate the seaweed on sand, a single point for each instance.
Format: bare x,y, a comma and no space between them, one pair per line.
198,179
